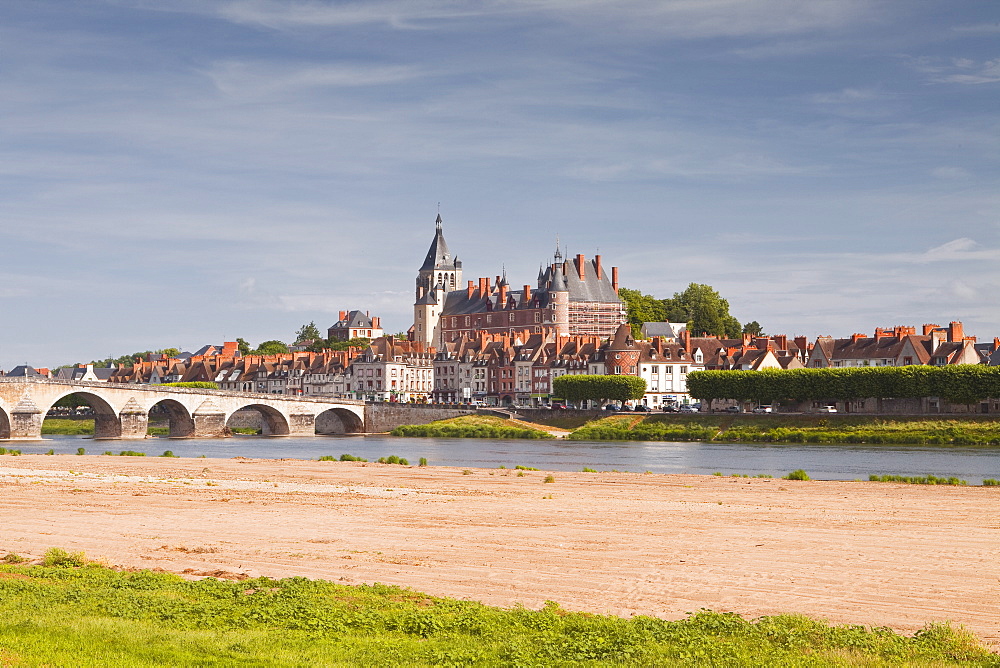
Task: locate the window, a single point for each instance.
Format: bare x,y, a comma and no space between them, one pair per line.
684,369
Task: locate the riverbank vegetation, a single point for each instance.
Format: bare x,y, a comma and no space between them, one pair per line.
793,429
474,426
86,613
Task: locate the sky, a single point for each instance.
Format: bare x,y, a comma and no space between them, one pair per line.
180,173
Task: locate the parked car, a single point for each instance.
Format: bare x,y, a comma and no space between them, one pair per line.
827,409
733,409
763,409
688,408
611,407
670,408
641,408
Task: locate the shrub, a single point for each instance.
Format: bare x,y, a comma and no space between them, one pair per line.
525,468
57,556
51,452
131,453
798,474
81,451
393,459
423,461
5,451
327,458
352,458
549,478
168,453
587,469
14,558
991,482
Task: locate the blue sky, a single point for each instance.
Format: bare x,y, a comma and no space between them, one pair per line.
174,177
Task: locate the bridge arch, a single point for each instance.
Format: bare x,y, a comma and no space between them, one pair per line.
107,423
272,421
4,424
180,420
339,421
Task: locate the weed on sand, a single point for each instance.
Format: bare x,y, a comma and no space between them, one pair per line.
90,615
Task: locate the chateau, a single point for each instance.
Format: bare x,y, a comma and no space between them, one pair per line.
570,298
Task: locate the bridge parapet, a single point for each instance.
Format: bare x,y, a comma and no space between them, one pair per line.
122,410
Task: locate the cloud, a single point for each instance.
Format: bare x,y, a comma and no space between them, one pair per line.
684,19
951,173
263,79
960,70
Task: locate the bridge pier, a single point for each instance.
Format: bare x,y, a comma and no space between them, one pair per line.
209,421
301,424
26,420
134,421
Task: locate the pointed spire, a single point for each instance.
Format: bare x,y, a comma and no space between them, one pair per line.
438,256
558,256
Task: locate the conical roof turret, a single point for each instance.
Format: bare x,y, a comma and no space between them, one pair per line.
438,256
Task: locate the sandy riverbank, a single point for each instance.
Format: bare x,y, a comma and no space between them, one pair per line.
619,543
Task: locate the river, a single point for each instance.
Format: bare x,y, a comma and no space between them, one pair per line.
822,462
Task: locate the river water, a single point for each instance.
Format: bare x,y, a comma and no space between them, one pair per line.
822,462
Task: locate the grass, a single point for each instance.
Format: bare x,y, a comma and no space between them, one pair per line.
920,480
793,429
393,459
63,427
64,615
474,426
797,474
7,451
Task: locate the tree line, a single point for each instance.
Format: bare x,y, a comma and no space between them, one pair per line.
699,306
959,384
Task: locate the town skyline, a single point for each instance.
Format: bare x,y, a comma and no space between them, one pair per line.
182,176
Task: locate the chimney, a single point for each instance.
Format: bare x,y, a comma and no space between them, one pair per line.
996,343
375,322
928,329
614,279
747,338
579,266
685,335
527,294
489,290
781,342
483,283
597,266
503,296
955,332
470,290
801,342
856,337
881,334
343,315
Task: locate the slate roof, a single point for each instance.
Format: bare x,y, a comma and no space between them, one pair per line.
438,255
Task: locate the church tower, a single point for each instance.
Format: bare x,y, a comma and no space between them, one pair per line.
438,275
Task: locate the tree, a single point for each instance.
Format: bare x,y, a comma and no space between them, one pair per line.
753,329
576,388
272,347
243,346
704,311
640,308
308,333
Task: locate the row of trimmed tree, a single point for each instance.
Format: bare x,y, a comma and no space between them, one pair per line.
959,384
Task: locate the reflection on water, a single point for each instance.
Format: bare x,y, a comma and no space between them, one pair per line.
824,462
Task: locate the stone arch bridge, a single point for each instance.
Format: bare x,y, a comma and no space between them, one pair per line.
122,411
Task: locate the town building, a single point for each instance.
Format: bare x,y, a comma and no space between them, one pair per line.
575,297
899,346
355,325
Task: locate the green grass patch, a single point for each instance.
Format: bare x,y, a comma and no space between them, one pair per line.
63,427
473,426
793,429
393,459
91,615
919,480
8,451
